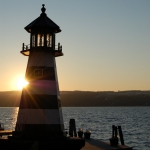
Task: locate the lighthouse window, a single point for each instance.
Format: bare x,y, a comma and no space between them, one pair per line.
49,40
33,40
38,72
40,40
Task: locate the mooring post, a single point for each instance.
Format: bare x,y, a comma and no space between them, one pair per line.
114,139
116,133
72,128
121,135
113,129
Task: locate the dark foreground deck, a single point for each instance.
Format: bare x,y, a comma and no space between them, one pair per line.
90,144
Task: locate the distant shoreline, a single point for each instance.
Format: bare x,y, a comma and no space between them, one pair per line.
87,99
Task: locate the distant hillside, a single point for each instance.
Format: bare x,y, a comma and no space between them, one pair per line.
10,98
83,98
86,98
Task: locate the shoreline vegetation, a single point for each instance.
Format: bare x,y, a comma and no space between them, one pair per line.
87,98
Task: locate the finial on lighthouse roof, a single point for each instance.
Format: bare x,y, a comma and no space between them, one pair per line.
43,9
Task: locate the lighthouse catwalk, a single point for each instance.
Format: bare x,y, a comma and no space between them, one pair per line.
40,113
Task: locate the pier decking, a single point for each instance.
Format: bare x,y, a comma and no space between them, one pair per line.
91,144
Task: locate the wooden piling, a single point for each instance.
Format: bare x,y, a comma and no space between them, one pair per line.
121,135
72,128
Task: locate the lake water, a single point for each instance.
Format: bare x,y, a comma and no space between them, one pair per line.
135,122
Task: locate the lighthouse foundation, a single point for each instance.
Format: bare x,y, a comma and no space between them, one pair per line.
54,144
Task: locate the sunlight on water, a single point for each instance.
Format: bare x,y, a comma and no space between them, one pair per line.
8,116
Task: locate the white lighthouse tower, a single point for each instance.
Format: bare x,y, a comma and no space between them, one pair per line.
40,113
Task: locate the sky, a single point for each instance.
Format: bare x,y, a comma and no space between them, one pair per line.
106,43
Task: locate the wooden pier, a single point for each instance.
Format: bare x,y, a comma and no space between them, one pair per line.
90,144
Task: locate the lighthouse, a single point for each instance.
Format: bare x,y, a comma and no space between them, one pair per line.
40,112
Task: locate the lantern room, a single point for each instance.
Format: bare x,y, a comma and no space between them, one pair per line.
42,35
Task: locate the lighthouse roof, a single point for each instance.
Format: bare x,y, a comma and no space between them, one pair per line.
43,22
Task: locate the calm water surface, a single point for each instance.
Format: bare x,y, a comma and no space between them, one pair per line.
135,122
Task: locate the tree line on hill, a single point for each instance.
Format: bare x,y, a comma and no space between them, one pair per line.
86,98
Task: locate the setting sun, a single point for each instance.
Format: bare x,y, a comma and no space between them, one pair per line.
21,82
18,82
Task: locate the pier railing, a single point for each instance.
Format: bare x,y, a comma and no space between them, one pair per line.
58,47
25,47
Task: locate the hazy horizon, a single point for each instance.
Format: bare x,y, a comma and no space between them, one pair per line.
87,91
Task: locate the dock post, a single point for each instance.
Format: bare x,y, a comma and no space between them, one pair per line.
113,129
72,128
116,133
114,138
121,135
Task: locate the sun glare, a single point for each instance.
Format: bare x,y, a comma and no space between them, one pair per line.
21,82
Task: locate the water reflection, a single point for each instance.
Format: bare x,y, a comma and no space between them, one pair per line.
8,116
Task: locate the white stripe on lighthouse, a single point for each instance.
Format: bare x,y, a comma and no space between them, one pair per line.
47,87
50,60
53,116
60,114
56,78
41,59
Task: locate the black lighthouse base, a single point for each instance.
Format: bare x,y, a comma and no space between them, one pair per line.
41,140
72,143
